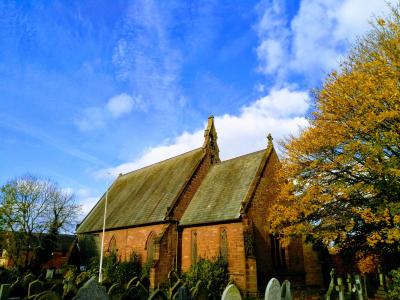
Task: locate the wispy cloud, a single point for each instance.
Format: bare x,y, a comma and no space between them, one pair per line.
312,42
29,130
146,58
116,107
281,113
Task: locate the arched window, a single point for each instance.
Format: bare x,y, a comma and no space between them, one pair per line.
278,253
194,247
223,243
112,245
150,246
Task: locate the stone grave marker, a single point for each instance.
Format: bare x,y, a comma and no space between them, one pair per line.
16,289
286,292
231,292
91,290
182,294
132,282
158,295
57,288
340,288
200,292
47,295
115,292
273,290
49,273
145,281
331,290
132,293
4,291
175,287
359,287
143,292
27,280
35,288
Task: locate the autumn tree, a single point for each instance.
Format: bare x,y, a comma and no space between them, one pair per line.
33,211
340,179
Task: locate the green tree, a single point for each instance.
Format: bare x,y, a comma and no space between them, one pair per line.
33,211
340,179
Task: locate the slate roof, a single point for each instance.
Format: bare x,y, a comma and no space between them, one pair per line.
223,190
143,196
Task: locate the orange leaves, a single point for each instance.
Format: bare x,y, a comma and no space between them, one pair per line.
340,178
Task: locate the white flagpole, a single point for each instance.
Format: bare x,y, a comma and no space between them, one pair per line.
102,239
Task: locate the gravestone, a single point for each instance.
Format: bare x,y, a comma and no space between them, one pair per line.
273,290
359,288
158,295
143,292
182,294
49,273
145,281
132,282
4,291
27,280
57,288
115,292
16,289
231,292
47,295
200,292
175,287
340,288
35,287
172,278
286,292
91,290
330,294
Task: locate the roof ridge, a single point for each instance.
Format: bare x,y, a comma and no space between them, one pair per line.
241,156
159,162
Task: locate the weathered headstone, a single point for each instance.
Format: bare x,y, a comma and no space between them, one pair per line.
49,273
57,288
273,290
115,292
231,292
359,288
91,290
200,292
176,287
47,295
286,292
4,291
182,294
143,292
16,289
340,288
27,280
158,295
35,287
132,282
145,281
331,290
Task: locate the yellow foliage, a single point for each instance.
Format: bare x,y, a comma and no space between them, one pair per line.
339,180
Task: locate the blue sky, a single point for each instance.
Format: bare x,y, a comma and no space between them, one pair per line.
90,89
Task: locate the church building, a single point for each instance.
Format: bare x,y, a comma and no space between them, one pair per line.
195,206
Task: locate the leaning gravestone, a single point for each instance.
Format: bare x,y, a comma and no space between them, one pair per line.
132,282
4,291
35,287
158,295
273,290
359,287
91,290
115,292
286,292
145,281
231,292
49,273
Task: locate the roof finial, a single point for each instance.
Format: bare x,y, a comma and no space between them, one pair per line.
210,140
269,138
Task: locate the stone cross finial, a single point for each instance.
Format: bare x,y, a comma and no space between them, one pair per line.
210,140
269,138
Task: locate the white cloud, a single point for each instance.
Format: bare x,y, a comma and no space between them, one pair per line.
120,105
116,107
314,40
280,113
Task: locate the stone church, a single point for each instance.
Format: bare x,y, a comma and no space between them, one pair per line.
195,206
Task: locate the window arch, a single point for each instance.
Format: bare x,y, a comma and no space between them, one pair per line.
150,246
223,243
112,245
